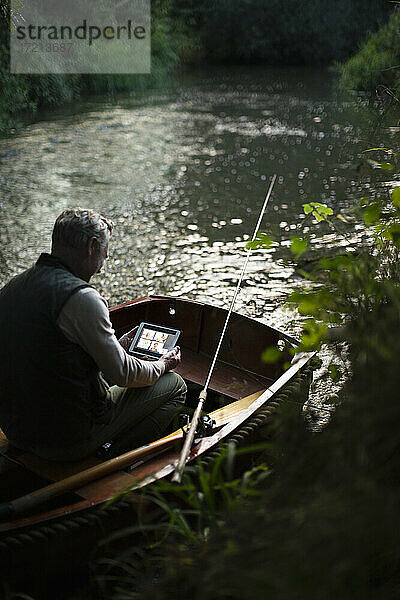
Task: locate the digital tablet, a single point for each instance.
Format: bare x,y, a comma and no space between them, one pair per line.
153,340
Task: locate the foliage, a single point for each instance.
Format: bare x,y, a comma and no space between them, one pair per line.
184,514
170,45
262,240
27,93
325,520
276,32
377,62
185,31
356,283
360,281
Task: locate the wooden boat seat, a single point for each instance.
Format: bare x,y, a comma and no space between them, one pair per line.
12,458
9,451
3,443
231,381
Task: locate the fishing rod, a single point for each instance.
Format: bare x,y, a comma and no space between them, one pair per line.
191,432
10,510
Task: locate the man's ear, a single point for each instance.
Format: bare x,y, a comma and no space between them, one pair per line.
92,245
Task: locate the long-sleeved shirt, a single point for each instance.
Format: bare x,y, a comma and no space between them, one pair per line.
85,320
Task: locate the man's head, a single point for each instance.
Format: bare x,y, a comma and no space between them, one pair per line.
80,239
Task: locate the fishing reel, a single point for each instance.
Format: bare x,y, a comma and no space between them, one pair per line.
204,428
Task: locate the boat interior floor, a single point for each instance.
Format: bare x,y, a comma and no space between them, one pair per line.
231,381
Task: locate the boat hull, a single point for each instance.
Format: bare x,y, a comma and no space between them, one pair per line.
248,385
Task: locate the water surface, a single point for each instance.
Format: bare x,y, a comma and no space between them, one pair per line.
183,172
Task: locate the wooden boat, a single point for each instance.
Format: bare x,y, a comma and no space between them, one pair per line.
242,388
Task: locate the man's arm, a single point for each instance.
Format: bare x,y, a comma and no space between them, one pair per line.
85,320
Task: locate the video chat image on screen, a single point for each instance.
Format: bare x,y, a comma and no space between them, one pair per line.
154,341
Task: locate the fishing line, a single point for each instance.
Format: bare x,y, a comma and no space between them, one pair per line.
177,476
239,284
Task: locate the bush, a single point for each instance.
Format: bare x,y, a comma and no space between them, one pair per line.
19,93
290,32
377,62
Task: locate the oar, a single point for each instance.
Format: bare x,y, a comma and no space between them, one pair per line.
14,508
10,510
188,443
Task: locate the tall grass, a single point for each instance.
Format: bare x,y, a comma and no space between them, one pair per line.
377,63
172,516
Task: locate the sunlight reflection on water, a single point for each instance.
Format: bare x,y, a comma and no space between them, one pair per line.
183,174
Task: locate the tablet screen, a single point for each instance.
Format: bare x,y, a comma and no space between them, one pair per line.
153,340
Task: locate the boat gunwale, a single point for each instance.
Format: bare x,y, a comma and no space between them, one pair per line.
152,298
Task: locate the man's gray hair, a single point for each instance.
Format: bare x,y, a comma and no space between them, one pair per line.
75,226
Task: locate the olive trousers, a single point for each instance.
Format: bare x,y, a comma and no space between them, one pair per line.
137,416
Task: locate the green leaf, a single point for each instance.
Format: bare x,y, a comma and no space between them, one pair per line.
298,246
324,210
307,208
265,239
372,213
341,262
313,335
395,196
271,355
308,305
364,201
262,240
320,211
393,233
334,372
386,166
380,165
252,245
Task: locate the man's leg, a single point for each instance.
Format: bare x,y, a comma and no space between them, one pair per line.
141,415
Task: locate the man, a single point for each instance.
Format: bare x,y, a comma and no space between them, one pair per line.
57,342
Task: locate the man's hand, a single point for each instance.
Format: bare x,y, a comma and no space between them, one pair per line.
127,338
172,359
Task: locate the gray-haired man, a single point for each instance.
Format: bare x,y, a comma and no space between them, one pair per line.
57,341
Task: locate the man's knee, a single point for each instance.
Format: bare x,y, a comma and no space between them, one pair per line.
180,386
176,386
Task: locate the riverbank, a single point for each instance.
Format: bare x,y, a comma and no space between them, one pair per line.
186,33
375,67
23,95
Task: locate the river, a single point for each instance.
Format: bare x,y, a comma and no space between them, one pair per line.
183,170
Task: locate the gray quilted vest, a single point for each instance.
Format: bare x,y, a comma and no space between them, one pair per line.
50,395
